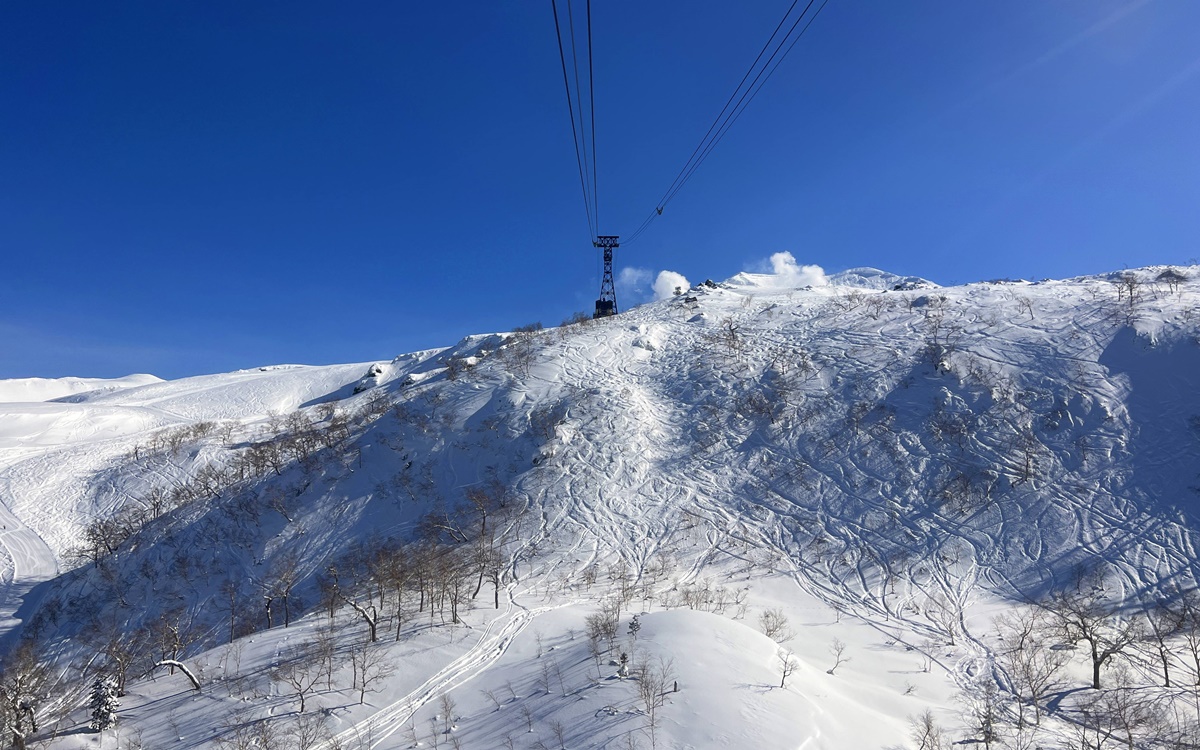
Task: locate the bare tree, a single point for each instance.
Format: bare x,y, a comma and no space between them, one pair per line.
1129,288
124,650
482,502
452,579
369,615
1123,714
595,649
774,624
925,733
369,669
838,649
985,709
1026,305
325,652
233,599
329,589
171,633
1163,623
729,337
285,574
559,730
307,731
301,670
1029,450
1089,617
447,706
652,681
787,666
1031,665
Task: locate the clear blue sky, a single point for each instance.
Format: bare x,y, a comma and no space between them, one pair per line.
191,187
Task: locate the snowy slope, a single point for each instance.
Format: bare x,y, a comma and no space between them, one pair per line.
48,389
889,468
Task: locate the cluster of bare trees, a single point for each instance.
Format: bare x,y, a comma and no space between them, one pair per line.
655,681
38,695
300,731
123,652
1172,278
705,596
441,573
303,669
1132,288
173,440
389,582
519,350
385,583
1126,649
295,439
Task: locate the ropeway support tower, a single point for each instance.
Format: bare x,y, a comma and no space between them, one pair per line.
606,305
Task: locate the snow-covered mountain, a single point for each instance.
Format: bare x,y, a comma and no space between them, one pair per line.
836,487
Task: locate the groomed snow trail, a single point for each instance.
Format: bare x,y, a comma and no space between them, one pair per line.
27,562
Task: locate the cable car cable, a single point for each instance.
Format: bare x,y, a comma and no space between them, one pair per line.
752,92
571,111
727,117
588,169
721,114
592,107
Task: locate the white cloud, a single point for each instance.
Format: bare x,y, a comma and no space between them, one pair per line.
638,285
633,285
667,282
790,275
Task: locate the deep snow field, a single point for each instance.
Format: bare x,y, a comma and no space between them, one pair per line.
884,471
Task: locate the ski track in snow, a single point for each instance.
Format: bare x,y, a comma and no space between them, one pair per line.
492,644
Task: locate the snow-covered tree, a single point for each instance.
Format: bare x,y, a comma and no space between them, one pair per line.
24,683
104,704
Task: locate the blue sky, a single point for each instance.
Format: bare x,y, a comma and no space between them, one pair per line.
190,187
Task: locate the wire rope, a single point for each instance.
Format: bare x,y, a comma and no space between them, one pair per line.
727,116
752,92
579,153
592,109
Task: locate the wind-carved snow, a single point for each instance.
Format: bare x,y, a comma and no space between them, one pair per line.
889,467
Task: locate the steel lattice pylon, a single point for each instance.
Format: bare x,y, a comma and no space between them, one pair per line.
607,303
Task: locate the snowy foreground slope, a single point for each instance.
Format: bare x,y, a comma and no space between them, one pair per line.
870,475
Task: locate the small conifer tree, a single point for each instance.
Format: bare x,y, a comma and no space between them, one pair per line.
104,704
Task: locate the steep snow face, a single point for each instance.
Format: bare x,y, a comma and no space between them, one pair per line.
907,458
